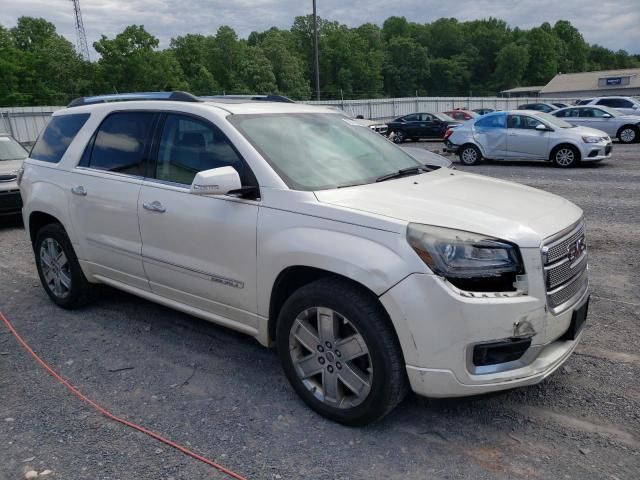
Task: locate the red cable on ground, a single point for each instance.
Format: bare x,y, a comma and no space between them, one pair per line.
110,415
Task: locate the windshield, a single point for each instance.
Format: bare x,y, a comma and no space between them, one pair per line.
11,150
319,151
555,121
444,117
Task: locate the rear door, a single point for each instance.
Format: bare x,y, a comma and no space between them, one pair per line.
104,194
523,140
199,250
490,132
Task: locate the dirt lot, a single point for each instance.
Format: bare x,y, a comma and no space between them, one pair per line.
224,396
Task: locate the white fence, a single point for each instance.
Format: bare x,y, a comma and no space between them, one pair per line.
25,123
390,108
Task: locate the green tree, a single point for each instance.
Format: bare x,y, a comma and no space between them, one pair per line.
573,50
130,62
543,55
511,65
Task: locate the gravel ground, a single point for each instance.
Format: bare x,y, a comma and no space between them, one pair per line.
223,395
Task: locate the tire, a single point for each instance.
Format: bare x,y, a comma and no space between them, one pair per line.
61,277
470,155
628,134
399,136
565,156
354,321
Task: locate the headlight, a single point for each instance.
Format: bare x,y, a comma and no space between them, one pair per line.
468,260
591,139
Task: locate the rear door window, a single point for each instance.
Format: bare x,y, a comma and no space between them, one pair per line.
57,136
492,121
121,143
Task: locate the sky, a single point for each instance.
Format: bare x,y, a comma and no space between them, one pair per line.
614,24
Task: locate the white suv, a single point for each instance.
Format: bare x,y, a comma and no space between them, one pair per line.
370,272
626,105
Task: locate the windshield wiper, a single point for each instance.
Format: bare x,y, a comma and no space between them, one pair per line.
403,173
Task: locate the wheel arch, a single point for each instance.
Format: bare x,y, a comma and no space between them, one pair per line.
39,219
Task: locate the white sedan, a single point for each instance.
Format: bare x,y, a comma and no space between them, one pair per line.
624,127
527,135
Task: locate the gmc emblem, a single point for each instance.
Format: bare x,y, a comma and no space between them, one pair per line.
575,250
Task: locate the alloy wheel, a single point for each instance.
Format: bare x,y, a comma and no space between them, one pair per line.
55,266
330,357
565,157
628,135
469,155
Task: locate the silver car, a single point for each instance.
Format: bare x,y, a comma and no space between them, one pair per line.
527,135
625,105
624,127
12,155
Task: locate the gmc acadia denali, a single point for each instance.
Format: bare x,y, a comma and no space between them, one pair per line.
370,272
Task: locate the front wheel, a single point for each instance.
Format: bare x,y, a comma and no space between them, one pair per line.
470,155
340,353
399,136
566,156
628,134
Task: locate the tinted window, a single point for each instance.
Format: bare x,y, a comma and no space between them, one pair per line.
412,118
591,113
426,117
120,142
584,102
523,122
11,150
492,121
615,103
188,146
59,133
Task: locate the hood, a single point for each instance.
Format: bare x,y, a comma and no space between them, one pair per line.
587,131
464,201
9,166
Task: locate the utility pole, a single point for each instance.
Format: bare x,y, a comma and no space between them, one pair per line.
81,36
315,50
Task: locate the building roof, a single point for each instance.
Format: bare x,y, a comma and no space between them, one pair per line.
536,88
588,81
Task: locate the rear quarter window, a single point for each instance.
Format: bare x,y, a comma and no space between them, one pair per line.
57,136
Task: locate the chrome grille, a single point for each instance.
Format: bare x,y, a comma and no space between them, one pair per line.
565,268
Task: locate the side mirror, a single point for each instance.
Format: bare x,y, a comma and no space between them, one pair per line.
542,128
216,181
606,115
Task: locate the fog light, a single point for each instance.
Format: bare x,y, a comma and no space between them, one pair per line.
500,352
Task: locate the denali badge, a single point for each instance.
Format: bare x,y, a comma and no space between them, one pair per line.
575,250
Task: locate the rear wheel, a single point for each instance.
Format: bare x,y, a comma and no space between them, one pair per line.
58,268
470,155
399,136
340,353
566,156
628,134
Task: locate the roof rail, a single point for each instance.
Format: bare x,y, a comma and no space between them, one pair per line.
177,95
251,98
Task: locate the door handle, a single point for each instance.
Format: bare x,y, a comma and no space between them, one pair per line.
79,190
154,206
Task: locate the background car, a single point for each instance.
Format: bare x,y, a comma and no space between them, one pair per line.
529,135
483,111
374,125
559,105
539,107
626,105
461,115
12,154
625,128
420,125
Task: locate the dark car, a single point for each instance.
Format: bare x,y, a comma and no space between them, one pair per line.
540,107
420,125
11,156
559,104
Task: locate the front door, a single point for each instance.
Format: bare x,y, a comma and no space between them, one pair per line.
523,140
103,197
199,250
